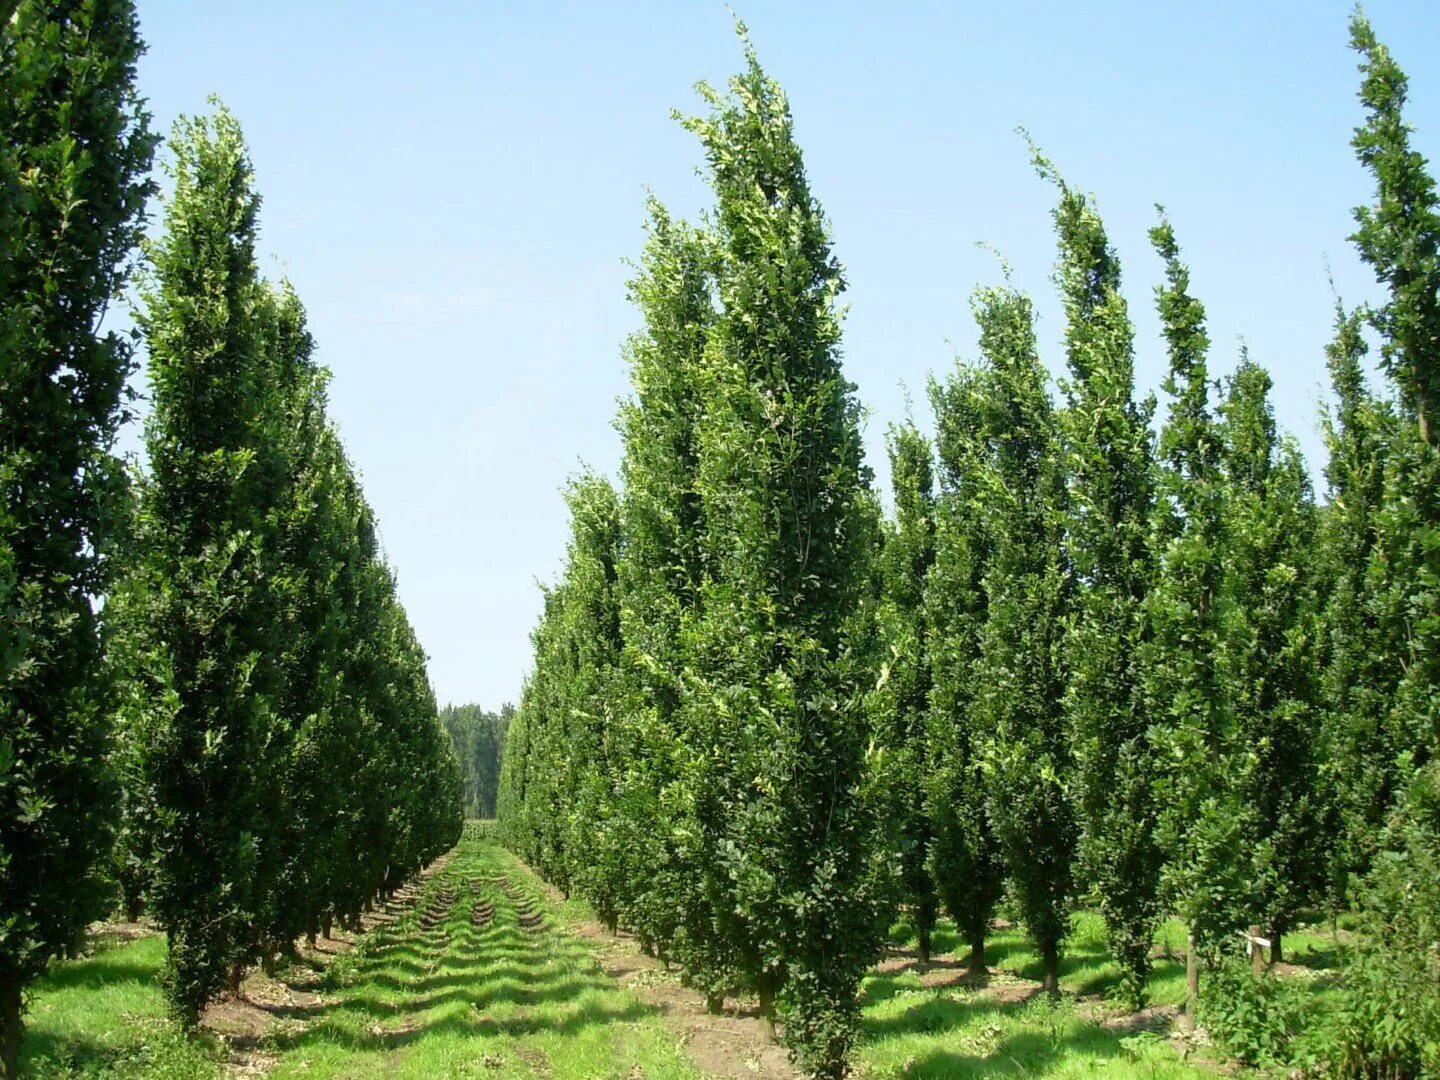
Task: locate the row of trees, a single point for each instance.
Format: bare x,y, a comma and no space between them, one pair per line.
204,667
479,738
1095,655
692,751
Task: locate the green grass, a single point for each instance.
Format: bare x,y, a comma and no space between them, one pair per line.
454,1000
104,1016
501,1001
914,1031
1001,1030
498,1001
944,1033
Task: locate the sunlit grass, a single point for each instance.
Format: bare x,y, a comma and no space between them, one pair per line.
104,1016
501,1000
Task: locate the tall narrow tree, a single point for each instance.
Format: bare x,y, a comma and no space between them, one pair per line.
1021,682
964,857
1198,826
75,151
209,653
784,626
1110,461
1399,238
590,726
1389,1020
1271,652
1358,752
664,817
903,698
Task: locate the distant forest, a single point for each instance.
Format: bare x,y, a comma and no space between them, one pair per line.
479,738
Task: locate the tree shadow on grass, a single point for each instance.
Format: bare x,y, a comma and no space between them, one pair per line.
1024,1054
964,1044
402,1032
405,984
98,972
930,1015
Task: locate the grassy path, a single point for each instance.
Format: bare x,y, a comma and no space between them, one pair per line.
471,976
474,979
477,971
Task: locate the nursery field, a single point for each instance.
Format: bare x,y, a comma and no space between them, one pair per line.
478,969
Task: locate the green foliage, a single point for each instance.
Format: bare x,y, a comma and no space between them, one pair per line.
964,857
1359,751
258,635
1199,827
562,730
1270,654
902,699
660,815
1152,669
202,596
777,719
479,739
1255,1020
1109,458
1389,1021
75,148
1026,751
1389,1024
1399,235
728,813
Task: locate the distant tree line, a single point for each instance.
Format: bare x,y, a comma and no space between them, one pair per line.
211,700
479,740
1100,652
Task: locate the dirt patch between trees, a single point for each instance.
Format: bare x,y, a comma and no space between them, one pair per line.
728,1045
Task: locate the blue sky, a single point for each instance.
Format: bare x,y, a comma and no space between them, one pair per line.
454,187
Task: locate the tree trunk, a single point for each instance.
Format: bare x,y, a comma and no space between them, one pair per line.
767,1010
976,963
328,925
715,1004
925,925
1192,983
10,1027
1051,955
1275,955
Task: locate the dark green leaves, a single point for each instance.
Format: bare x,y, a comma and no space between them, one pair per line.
75,151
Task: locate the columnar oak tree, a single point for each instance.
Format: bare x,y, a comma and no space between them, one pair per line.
1109,458
589,727
1198,826
1391,1015
1270,653
566,712
208,611
903,696
964,857
75,149
663,816
1357,680
1020,680
783,636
